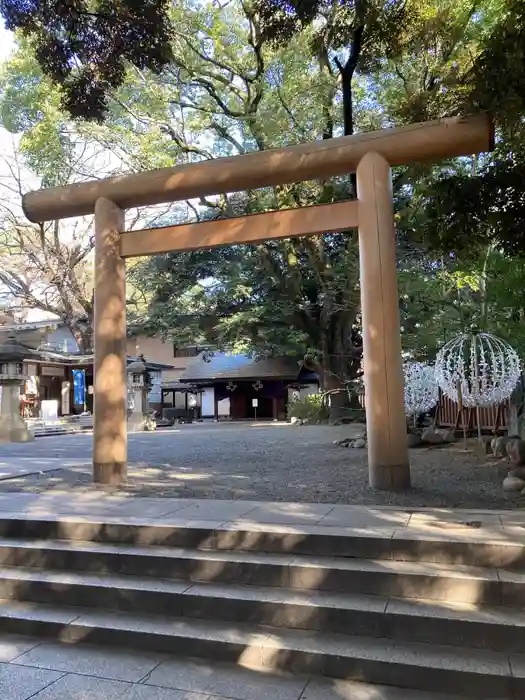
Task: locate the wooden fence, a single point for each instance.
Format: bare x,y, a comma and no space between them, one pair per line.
494,419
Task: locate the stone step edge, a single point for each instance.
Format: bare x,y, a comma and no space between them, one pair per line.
366,605
313,539
278,559
483,674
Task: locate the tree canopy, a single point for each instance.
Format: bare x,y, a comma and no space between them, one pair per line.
84,45
242,76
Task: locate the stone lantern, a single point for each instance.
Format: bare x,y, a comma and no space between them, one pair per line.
138,389
13,427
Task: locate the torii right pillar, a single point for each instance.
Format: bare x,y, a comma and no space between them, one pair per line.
388,463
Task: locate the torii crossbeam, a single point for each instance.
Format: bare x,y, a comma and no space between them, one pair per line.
370,155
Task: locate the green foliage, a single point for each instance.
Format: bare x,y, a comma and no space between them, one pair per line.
497,79
312,407
237,83
83,45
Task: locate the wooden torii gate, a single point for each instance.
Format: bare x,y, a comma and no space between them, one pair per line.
370,155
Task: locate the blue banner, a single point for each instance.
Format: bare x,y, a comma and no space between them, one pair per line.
79,387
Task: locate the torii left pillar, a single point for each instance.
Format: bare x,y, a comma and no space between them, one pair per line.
110,413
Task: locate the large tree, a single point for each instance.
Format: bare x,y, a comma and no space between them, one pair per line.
84,45
233,85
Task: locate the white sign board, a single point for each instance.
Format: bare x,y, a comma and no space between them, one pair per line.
65,399
52,371
255,403
49,409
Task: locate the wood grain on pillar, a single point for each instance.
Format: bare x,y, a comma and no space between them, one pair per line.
384,384
110,412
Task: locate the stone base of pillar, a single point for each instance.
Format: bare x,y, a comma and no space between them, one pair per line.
136,423
14,429
109,474
390,478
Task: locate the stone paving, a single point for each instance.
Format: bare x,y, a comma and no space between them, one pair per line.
473,525
258,462
35,669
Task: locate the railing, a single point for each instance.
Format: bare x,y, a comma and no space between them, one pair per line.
493,419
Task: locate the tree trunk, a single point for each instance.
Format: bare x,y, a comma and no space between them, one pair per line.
84,338
337,397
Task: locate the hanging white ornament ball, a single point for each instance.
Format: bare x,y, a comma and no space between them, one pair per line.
421,389
484,367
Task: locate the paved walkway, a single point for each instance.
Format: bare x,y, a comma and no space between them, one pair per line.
12,467
471,525
34,669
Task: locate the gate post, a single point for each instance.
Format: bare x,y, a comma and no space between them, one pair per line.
110,399
384,383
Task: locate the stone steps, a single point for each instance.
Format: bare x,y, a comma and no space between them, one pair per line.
448,547
391,578
473,672
426,611
428,621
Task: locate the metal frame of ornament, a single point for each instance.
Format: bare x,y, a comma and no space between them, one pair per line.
480,366
231,386
257,386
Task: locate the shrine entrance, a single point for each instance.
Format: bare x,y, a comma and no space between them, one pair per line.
370,155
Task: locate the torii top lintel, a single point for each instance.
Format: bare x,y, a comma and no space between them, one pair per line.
427,141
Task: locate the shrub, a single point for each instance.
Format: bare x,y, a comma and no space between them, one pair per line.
311,407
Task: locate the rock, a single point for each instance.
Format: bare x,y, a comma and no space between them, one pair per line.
305,421
511,483
345,442
516,451
499,446
359,443
414,440
447,435
431,436
518,473
487,442
296,421
150,424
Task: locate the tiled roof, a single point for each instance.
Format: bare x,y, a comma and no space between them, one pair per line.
223,366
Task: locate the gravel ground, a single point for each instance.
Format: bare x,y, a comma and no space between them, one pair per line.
270,462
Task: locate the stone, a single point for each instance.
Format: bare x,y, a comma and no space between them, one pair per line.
447,435
518,473
499,446
12,426
516,451
512,483
150,423
414,440
359,443
431,436
487,444
305,421
296,421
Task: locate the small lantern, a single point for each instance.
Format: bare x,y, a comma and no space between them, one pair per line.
12,355
137,371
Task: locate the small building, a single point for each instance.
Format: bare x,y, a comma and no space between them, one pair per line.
237,387
63,383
